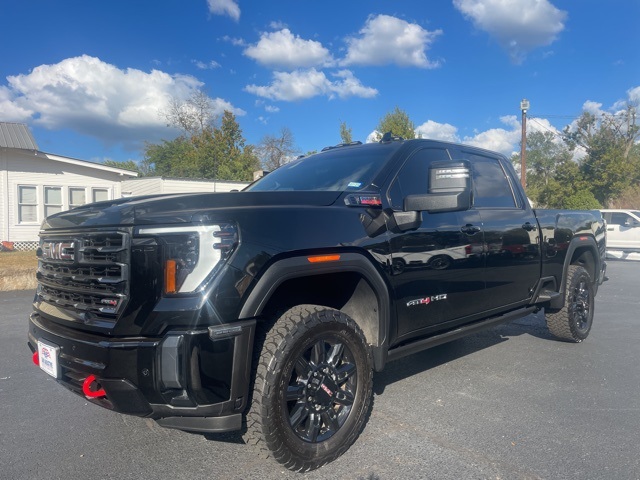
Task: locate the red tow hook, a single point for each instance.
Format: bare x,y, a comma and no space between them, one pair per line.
90,388
35,358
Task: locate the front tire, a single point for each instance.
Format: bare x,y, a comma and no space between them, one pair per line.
313,388
573,321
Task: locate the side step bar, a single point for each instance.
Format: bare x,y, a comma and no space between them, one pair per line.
445,337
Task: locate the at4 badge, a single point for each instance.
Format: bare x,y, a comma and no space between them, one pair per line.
426,300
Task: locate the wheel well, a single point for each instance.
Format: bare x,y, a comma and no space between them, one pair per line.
584,257
348,292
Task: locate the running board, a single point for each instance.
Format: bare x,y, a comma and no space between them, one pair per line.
441,338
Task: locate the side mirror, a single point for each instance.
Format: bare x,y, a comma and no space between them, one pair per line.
449,189
631,222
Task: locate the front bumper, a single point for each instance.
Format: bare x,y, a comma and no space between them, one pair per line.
191,379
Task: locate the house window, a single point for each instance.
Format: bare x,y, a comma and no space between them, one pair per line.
27,204
100,194
77,197
52,200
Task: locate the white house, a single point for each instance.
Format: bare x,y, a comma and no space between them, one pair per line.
154,185
34,184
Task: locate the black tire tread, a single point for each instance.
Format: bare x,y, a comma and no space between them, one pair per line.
559,321
286,330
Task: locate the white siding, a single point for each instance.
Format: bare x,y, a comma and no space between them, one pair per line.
4,195
142,186
40,170
26,168
158,185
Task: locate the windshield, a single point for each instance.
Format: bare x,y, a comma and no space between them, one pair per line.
340,169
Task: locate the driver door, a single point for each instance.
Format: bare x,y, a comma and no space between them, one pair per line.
437,268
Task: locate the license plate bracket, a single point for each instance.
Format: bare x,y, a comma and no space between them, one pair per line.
48,358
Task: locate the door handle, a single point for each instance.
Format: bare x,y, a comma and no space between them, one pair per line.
529,227
470,229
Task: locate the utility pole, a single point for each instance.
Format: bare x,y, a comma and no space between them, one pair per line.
524,106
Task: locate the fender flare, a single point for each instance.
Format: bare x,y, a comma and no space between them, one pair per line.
299,266
579,241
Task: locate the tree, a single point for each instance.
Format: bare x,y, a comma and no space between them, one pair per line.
566,188
206,152
345,133
544,155
172,158
192,116
276,151
629,198
398,123
582,200
609,140
126,165
235,160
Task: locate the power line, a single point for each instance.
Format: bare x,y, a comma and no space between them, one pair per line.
560,135
573,117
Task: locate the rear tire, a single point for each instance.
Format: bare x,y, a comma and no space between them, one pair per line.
573,321
313,388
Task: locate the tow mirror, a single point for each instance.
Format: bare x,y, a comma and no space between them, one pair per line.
449,189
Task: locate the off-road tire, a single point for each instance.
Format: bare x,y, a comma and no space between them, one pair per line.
313,388
573,321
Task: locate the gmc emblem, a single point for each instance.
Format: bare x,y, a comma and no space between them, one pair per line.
57,250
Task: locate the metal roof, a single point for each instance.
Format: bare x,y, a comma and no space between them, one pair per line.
16,135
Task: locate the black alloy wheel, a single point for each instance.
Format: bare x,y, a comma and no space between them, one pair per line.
321,391
574,320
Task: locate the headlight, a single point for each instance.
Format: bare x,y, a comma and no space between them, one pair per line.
191,253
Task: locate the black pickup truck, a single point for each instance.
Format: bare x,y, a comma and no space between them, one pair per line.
268,310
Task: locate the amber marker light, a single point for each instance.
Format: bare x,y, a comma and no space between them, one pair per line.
170,276
323,258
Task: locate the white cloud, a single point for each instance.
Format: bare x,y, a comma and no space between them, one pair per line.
388,40
271,109
373,137
206,65
519,26
11,110
634,95
235,41
97,99
535,124
303,84
437,131
282,49
350,86
500,140
225,7
277,25
592,107
292,86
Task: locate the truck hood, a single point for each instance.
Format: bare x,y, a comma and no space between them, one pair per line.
179,208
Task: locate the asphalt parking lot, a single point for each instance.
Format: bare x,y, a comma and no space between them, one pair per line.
509,403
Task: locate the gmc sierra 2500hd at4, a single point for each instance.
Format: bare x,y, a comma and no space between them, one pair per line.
268,310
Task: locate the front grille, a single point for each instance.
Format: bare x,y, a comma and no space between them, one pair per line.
85,275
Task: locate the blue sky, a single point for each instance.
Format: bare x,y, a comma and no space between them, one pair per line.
91,78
